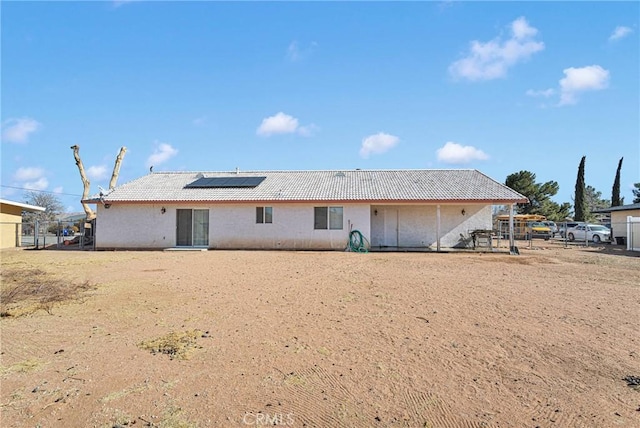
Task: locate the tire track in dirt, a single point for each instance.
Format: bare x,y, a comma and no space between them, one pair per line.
332,381
426,409
20,347
319,398
542,414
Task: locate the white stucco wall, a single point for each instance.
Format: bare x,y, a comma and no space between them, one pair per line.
235,227
417,225
230,226
619,222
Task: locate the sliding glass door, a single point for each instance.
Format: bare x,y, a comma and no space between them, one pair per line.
192,228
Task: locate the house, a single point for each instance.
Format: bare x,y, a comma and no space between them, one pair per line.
621,226
393,209
11,222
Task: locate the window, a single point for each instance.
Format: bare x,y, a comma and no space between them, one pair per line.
327,218
264,214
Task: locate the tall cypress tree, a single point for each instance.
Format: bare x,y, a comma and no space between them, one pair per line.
615,192
580,203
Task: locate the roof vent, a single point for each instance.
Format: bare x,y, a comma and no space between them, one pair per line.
340,174
200,175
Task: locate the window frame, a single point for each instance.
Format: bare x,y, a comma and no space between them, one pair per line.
192,227
264,215
333,216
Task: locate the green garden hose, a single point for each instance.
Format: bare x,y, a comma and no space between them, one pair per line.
357,242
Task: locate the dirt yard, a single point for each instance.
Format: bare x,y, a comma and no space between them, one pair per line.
320,339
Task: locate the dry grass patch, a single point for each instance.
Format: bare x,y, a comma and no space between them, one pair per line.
22,367
173,417
177,345
24,291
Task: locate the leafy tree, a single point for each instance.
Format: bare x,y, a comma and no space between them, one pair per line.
557,212
580,201
615,192
539,195
594,201
524,182
636,193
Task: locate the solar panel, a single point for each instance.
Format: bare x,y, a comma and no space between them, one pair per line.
225,182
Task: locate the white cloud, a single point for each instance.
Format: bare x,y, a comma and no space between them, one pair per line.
18,130
455,153
619,33
31,178
492,59
296,53
282,123
199,121
308,130
118,3
576,80
544,93
58,189
293,51
40,184
161,154
97,172
29,173
279,124
445,4
378,143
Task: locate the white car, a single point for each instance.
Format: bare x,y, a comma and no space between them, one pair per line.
595,233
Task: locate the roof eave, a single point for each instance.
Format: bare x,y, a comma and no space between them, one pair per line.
295,201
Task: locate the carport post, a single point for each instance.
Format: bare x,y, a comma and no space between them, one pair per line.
438,228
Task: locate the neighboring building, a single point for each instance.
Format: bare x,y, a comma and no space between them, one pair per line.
11,221
72,217
299,210
619,224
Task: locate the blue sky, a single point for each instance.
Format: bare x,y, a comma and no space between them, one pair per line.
207,86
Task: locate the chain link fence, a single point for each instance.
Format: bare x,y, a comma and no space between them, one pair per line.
49,234
621,233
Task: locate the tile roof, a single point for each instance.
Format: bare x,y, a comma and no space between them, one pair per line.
423,185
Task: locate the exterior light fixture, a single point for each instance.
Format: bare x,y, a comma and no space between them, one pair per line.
163,210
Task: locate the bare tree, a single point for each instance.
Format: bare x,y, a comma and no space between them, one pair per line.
116,168
87,184
49,201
